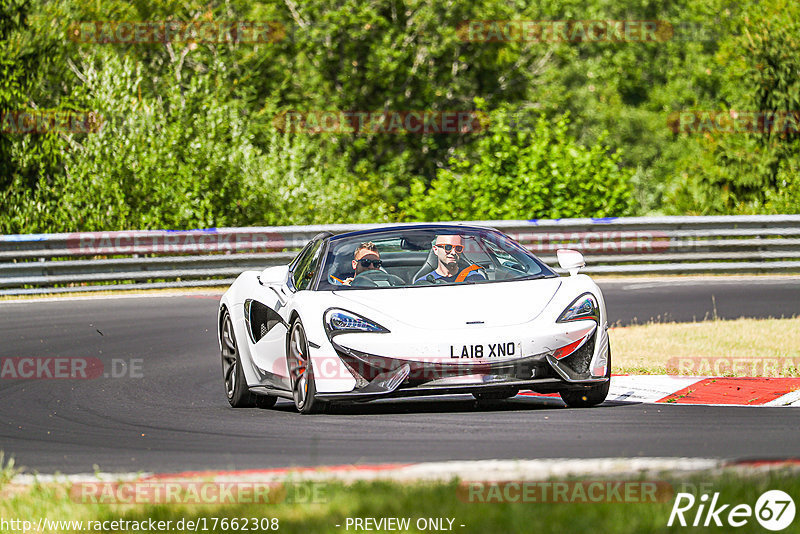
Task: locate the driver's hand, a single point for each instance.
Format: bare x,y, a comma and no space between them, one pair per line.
347,281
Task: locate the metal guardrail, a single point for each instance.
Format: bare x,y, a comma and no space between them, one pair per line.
90,261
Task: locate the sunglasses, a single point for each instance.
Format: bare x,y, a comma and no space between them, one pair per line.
370,263
447,248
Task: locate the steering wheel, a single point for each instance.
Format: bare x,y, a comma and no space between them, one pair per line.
376,278
466,271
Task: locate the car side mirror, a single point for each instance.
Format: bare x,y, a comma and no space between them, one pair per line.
274,275
570,260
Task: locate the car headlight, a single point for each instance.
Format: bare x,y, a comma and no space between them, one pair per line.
342,321
584,307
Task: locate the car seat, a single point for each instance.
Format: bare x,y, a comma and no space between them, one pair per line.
431,262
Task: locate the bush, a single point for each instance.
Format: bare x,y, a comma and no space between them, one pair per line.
185,160
519,171
751,172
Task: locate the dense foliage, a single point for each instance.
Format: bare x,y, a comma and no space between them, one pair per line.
538,170
190,135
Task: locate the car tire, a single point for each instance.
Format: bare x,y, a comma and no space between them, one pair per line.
236,389
591,396
301,372
264,401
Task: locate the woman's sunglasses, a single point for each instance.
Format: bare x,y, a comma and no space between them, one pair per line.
447,248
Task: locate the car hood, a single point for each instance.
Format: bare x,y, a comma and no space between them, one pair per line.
455,306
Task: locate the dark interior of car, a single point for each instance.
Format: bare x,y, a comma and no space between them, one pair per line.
406,260
404,264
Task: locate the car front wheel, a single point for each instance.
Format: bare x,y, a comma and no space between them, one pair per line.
591,396
301,372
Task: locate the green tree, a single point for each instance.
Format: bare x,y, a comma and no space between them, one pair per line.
520,173
24,55
184,160
752,172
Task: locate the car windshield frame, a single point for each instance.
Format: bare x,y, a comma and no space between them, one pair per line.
338,249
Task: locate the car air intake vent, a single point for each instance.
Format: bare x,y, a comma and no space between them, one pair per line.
580,360
260,319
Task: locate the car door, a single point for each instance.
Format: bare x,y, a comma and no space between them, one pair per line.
266,317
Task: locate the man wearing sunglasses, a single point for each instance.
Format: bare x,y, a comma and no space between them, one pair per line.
448,249
365,258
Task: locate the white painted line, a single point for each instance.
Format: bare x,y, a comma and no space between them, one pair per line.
26,478
648,388
790,399
646,282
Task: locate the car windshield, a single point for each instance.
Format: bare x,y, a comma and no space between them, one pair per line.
428,256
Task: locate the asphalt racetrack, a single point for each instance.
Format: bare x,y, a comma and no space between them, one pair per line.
167,411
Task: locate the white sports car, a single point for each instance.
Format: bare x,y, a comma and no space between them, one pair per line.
413,310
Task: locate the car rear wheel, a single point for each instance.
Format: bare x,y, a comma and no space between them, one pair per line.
591,396
301,372
236,389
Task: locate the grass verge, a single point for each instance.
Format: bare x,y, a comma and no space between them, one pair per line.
741,347
414,501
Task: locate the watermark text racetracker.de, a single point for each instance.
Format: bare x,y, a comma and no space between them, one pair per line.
577,491
227,492
586,31
699,122
44,121
380,122
733,366
178,242
69,368
565,31
174,31
195,524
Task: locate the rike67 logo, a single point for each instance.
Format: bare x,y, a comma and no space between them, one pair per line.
774,510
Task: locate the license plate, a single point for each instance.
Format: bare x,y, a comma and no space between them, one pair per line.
501,349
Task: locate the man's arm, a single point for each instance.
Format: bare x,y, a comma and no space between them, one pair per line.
475,276
429,278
